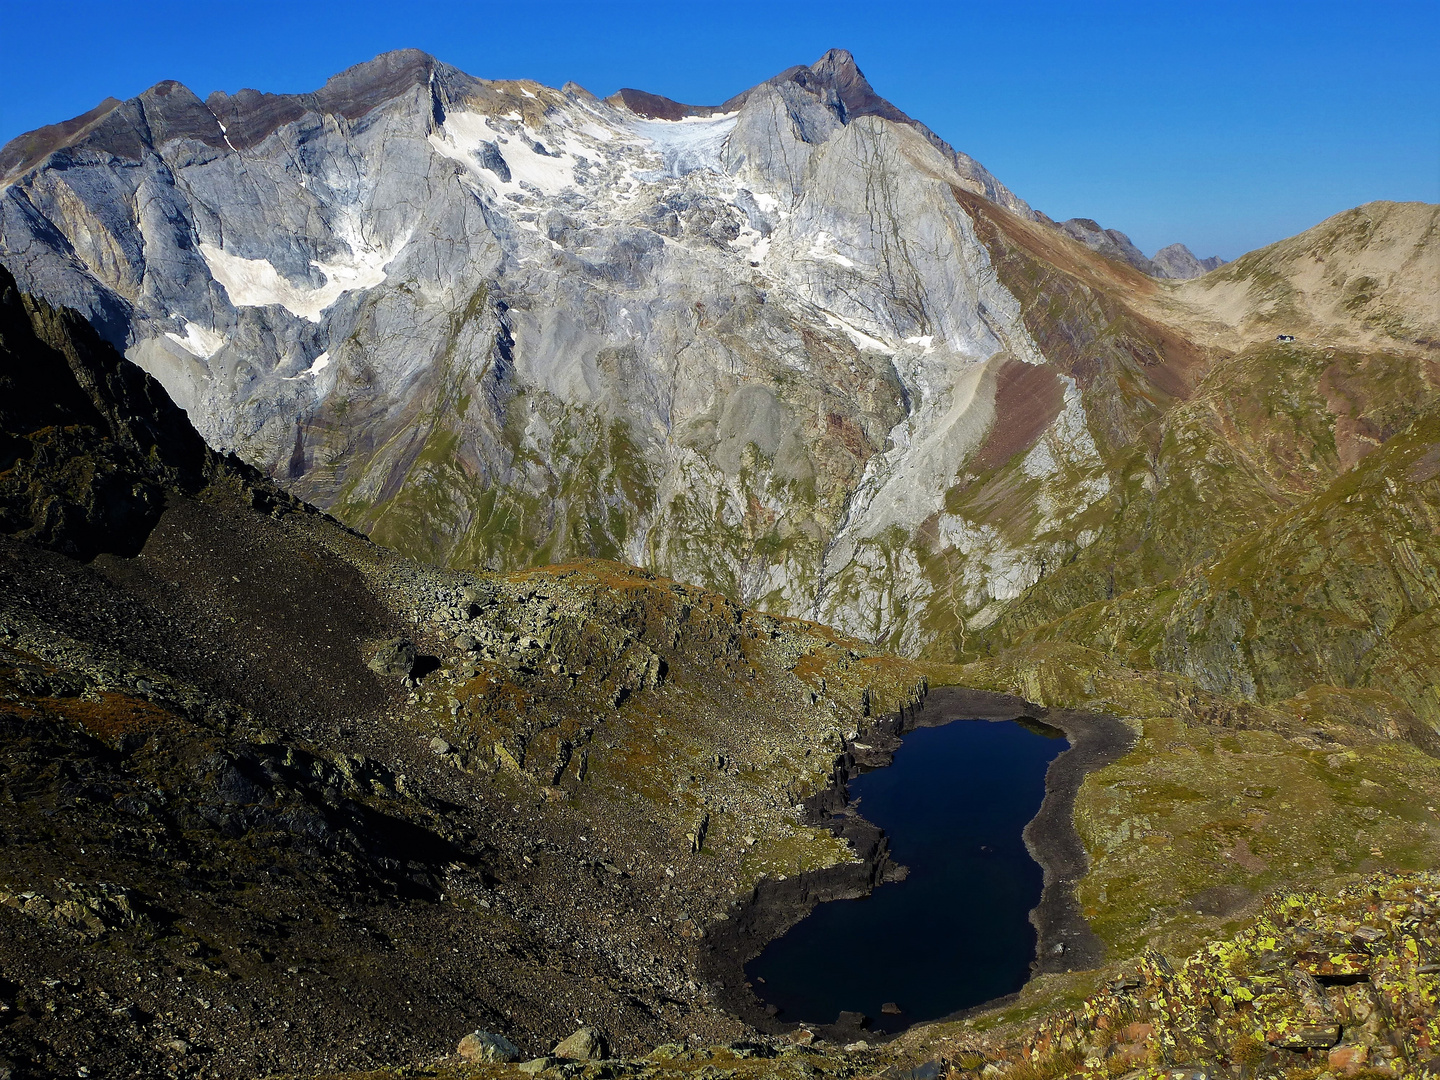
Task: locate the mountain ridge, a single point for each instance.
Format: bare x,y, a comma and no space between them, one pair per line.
248,116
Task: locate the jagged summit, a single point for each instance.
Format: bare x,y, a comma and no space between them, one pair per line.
1178,261
838,80
240,121
170,110
835,78
657,106
33,146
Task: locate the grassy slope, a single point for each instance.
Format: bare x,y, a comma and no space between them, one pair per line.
1339,591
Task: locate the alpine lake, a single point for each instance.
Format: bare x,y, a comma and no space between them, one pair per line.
955,932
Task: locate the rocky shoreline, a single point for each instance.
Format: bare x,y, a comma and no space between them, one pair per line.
1064,942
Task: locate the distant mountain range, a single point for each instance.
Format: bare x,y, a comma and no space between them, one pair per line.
1176,261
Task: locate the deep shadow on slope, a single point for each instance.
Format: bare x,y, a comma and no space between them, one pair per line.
229,845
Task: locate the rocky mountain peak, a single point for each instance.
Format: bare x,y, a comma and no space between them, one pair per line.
835,79
658,106
24,151
1112,243
170,110
837,72
1178,261
250,116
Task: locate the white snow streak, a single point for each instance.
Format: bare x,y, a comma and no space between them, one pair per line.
319,364
197,341
256,283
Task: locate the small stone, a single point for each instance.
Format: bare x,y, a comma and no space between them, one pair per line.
848,1019
801,1036
465,642
586,1044
178,1046
1334,965
538,1065
487,1046
439,745
890,1009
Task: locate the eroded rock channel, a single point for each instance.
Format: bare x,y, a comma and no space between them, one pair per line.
968,823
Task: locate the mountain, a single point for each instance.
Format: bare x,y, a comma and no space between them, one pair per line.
523,324
792,347
1179,262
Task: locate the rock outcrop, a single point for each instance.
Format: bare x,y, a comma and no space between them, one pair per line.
91,443
1174,262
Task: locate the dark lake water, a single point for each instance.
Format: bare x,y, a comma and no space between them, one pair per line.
956,932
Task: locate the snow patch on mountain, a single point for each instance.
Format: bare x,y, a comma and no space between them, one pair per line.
319,364
471,137
256,282
196,340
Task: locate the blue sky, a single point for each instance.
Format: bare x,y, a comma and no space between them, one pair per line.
1222,125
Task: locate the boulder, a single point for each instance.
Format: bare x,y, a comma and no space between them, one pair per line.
586,1044
487,1046
395,657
